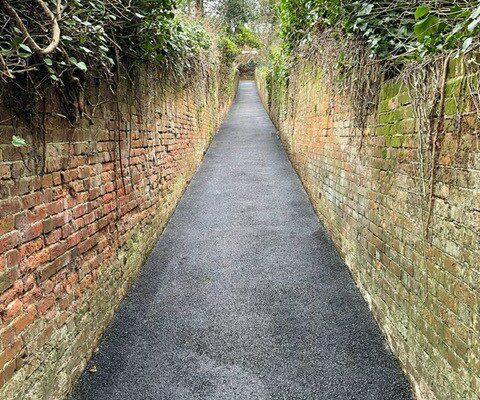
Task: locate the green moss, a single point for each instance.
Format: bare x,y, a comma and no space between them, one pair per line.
455,66
383,106
383,130
395,141
451,107
453,86
405,126
406,112
404,98
391,116
390,89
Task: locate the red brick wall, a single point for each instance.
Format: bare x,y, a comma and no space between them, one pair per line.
81,208
424,292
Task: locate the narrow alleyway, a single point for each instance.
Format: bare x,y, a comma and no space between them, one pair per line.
244,296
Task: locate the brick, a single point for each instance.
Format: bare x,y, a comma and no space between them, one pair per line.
12,310
60,219
32,232
12,153
10,353
53,236
7,278
31,200
13,258
50,269
28,249
55,207
57,249
9,206
5,171
7,224
21,187
23,321
8,337
9,241
45,304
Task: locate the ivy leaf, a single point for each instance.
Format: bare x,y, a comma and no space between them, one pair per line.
466,44
457,29
426,27
472,25
476,13
25,47
421,11
366,9
17,141
81,66
15,43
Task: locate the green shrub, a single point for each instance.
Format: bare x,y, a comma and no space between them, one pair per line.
228,50
245,37
406,30
96,35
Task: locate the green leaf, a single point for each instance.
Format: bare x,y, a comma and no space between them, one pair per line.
366,9
421,11
16,41
81,65
472,25
17,141
86,50
48,61
466,44
427,27
25,47
476,13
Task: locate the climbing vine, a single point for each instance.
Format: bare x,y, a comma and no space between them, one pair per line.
63,43
394,31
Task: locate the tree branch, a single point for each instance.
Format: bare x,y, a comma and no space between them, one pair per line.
55,29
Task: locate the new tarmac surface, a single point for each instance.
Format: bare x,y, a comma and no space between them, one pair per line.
244,296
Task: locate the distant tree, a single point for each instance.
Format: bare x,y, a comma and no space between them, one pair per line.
235,13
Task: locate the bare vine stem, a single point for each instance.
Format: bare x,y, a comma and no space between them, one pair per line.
438,134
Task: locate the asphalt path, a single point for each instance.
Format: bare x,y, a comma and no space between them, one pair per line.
244,295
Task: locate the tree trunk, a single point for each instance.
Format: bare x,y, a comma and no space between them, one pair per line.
199,10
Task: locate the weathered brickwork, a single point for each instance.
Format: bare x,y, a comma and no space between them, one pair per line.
367,190
80,211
